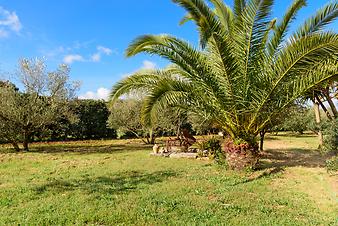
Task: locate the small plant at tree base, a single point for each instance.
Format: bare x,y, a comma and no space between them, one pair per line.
201,145
213,146
332,164
212,149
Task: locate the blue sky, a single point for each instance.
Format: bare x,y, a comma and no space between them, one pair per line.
92,35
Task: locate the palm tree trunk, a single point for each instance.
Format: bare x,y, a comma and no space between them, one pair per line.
261,143
318,121
241,156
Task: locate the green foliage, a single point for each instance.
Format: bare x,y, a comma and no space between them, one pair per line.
332,164
245,72
203,125
213,147
92,120
126,118
299,119
42,102
330,133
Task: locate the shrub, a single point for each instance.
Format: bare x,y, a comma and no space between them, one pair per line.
330,132
332,164
213,148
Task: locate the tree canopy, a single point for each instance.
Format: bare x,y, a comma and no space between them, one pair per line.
247,69
44,99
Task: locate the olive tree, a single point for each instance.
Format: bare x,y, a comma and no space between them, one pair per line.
43,99
126,117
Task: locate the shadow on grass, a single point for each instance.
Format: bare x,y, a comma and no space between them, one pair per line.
264,174
298,135
121,183
279,158
90,149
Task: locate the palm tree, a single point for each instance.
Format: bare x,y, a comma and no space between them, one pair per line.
246,70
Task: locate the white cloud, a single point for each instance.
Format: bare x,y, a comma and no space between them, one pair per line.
69,59
9,21
100,94
96,57
104,50
148,65
3,33
75,52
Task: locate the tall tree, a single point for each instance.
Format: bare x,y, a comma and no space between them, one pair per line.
126,117
92,120
245,72
42,101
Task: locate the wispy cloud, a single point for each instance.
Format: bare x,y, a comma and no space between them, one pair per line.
104,50
3,33
74,53
9,22
101,50
69,59
103,93
100,94
146,64
96,57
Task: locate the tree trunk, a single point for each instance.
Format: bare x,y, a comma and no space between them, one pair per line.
15,146
151,137
329,100
25,141
328,114
318,121
242,156
262,136
25,145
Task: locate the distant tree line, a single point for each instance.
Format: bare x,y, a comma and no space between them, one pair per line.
46,108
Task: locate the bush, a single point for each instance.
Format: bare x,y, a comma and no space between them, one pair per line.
330,132
332,164
213,148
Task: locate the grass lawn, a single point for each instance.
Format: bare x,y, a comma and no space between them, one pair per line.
117,182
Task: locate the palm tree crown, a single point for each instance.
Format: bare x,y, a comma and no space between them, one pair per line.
247,68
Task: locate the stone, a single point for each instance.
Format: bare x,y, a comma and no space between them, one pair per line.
184,155
178,148
162,150
156,148
192,149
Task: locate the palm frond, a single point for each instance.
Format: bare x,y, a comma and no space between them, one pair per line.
244,71
282,26
316,23
141,80
295,60
204,17
224,14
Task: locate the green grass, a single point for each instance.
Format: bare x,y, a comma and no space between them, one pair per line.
117,182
